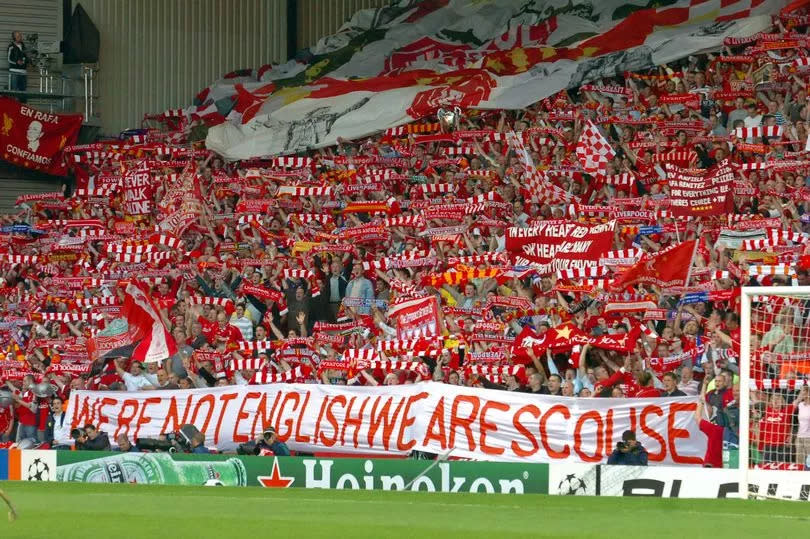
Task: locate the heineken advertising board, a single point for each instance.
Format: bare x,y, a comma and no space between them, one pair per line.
301,472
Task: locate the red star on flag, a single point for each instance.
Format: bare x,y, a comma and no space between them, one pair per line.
275,479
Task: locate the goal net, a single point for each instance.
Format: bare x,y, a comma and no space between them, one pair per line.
775,368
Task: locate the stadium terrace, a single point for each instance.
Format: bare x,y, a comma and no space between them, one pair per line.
539,249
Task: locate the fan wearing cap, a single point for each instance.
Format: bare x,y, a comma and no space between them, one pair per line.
269,444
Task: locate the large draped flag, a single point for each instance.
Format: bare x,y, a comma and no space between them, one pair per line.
146,326
389,66
667,268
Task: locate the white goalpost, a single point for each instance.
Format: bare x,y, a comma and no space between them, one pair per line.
774,368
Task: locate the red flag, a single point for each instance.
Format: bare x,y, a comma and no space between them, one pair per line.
33,138
625,342
667,268
146,325
593,150
559,339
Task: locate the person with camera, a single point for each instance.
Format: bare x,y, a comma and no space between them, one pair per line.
269,444
628,452
17,64
197,444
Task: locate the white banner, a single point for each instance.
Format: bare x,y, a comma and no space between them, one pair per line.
475,423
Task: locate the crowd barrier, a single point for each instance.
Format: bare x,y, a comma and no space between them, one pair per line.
394,474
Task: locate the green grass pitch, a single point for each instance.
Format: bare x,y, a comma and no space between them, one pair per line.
67,510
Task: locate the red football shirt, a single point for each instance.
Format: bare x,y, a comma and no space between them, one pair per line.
24,414
208,328
775,426
227,333
714,447
44,409
647,392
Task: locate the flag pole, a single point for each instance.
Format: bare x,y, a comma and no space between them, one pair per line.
694,250
439,459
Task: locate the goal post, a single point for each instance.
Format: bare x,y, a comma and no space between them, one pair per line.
774,366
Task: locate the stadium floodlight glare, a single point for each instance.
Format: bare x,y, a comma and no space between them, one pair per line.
780,317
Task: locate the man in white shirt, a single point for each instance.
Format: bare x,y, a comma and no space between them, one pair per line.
688,384
58,430
241,319
739,113
134,379
360,287
754,118
151,374
243,377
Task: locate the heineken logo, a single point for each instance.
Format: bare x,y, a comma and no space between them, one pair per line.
115,473
367,474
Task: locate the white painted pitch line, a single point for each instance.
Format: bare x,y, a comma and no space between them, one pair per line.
473,505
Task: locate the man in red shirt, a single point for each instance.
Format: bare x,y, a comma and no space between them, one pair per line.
646,388
27,409
776,429
165,295
206,316
713,431
622,376
43,409
221,330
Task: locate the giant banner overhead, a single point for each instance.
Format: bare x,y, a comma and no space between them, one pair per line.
391,65
439,418
34,139
559,245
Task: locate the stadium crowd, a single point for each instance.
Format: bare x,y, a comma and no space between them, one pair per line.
289,269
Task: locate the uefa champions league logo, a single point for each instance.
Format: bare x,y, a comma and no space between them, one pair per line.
39,470
572,485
